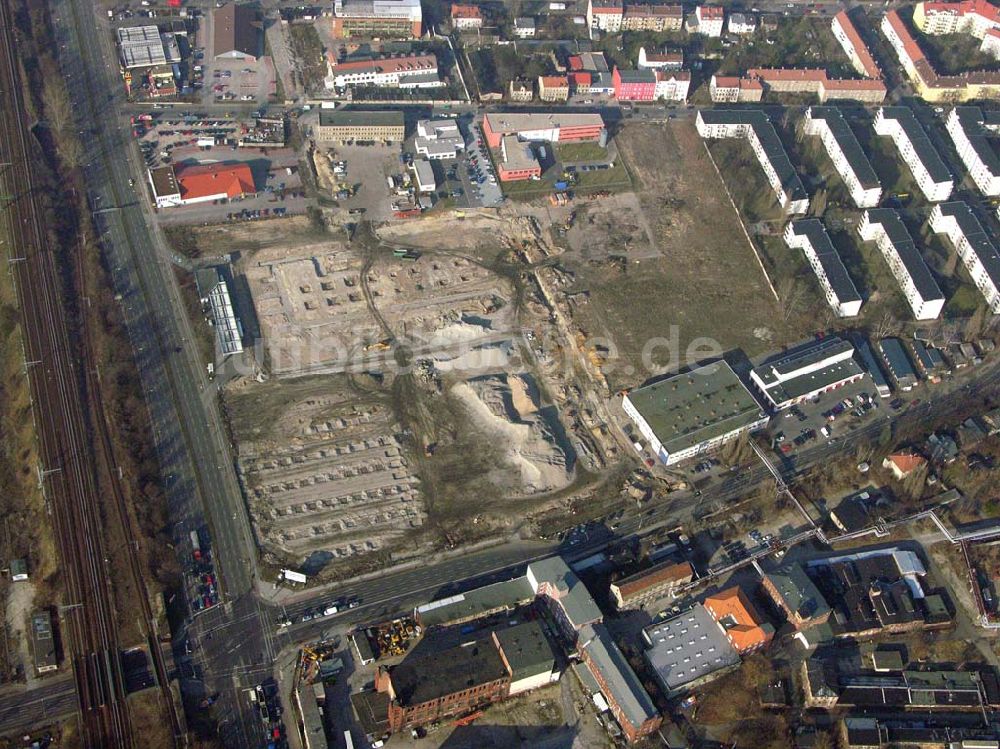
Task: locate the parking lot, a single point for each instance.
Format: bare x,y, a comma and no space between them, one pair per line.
232,80
364,173
827,417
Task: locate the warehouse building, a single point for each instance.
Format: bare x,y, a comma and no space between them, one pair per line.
846,154
554,127
628,700
528,656
394,19
691,413
649,585
884,227
488,600
872,367
407,72
966,127
438,139
754,125
43,643
214,291
688,650
236,33
898,363
809,235
423,171
141,47
807,371
794,593
974,247
925,163
355,124
200,183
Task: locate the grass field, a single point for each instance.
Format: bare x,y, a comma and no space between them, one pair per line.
706,282
571,153
805,42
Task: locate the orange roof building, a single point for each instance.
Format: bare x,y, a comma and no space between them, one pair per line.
903,464
214,181
746,630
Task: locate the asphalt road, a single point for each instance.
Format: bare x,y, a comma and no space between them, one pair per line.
24,710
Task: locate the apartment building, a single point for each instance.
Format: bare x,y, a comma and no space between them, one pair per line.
991,43
857,51
928,84
809,235
974,247
710,20
524,27
967,128
520,91
672,85
742,23
884,227
383,18
846,154
754,125
634,85
918,153
657,18
666,60
606,15
733,89
553,88
975,17
465,17
816,81
650,584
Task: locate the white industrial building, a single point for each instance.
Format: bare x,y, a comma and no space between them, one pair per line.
928,169
974,247
412,71
438,139
424,173
141,47
809,235
806,371
754,125
846,154
228,332
691,413
884,227
967,128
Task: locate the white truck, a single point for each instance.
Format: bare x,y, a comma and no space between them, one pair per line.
205,142
329,611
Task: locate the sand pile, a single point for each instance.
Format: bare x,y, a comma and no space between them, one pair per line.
505,409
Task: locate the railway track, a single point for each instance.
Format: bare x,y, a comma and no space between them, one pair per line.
68,470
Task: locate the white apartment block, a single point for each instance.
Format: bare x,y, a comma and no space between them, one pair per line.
973,245
607,18
755,126
921,157
711,19
672,86
884,227
846,154
965,126
845,32
974,17
991,44
809,235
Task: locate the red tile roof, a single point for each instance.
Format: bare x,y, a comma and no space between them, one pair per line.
860,48
410,63
204,180
580,78
968,7
465,11
553,81
906,462
666,573
708,12
738,616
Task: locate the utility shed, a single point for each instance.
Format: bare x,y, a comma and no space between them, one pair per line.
898,363
43,642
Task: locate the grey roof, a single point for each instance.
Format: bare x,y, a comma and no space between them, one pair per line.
527,650
922,145
971,120
517,154
798,366
829,258
798,592
897,361
700,405
922,355
769,141
637,76
625,687
574,597
872,365
358,117
977,238
422,678
848,143
476,603
42,641
687,647
907,250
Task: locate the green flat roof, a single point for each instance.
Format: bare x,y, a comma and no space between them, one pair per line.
358,117
695,407
526,649
476,603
